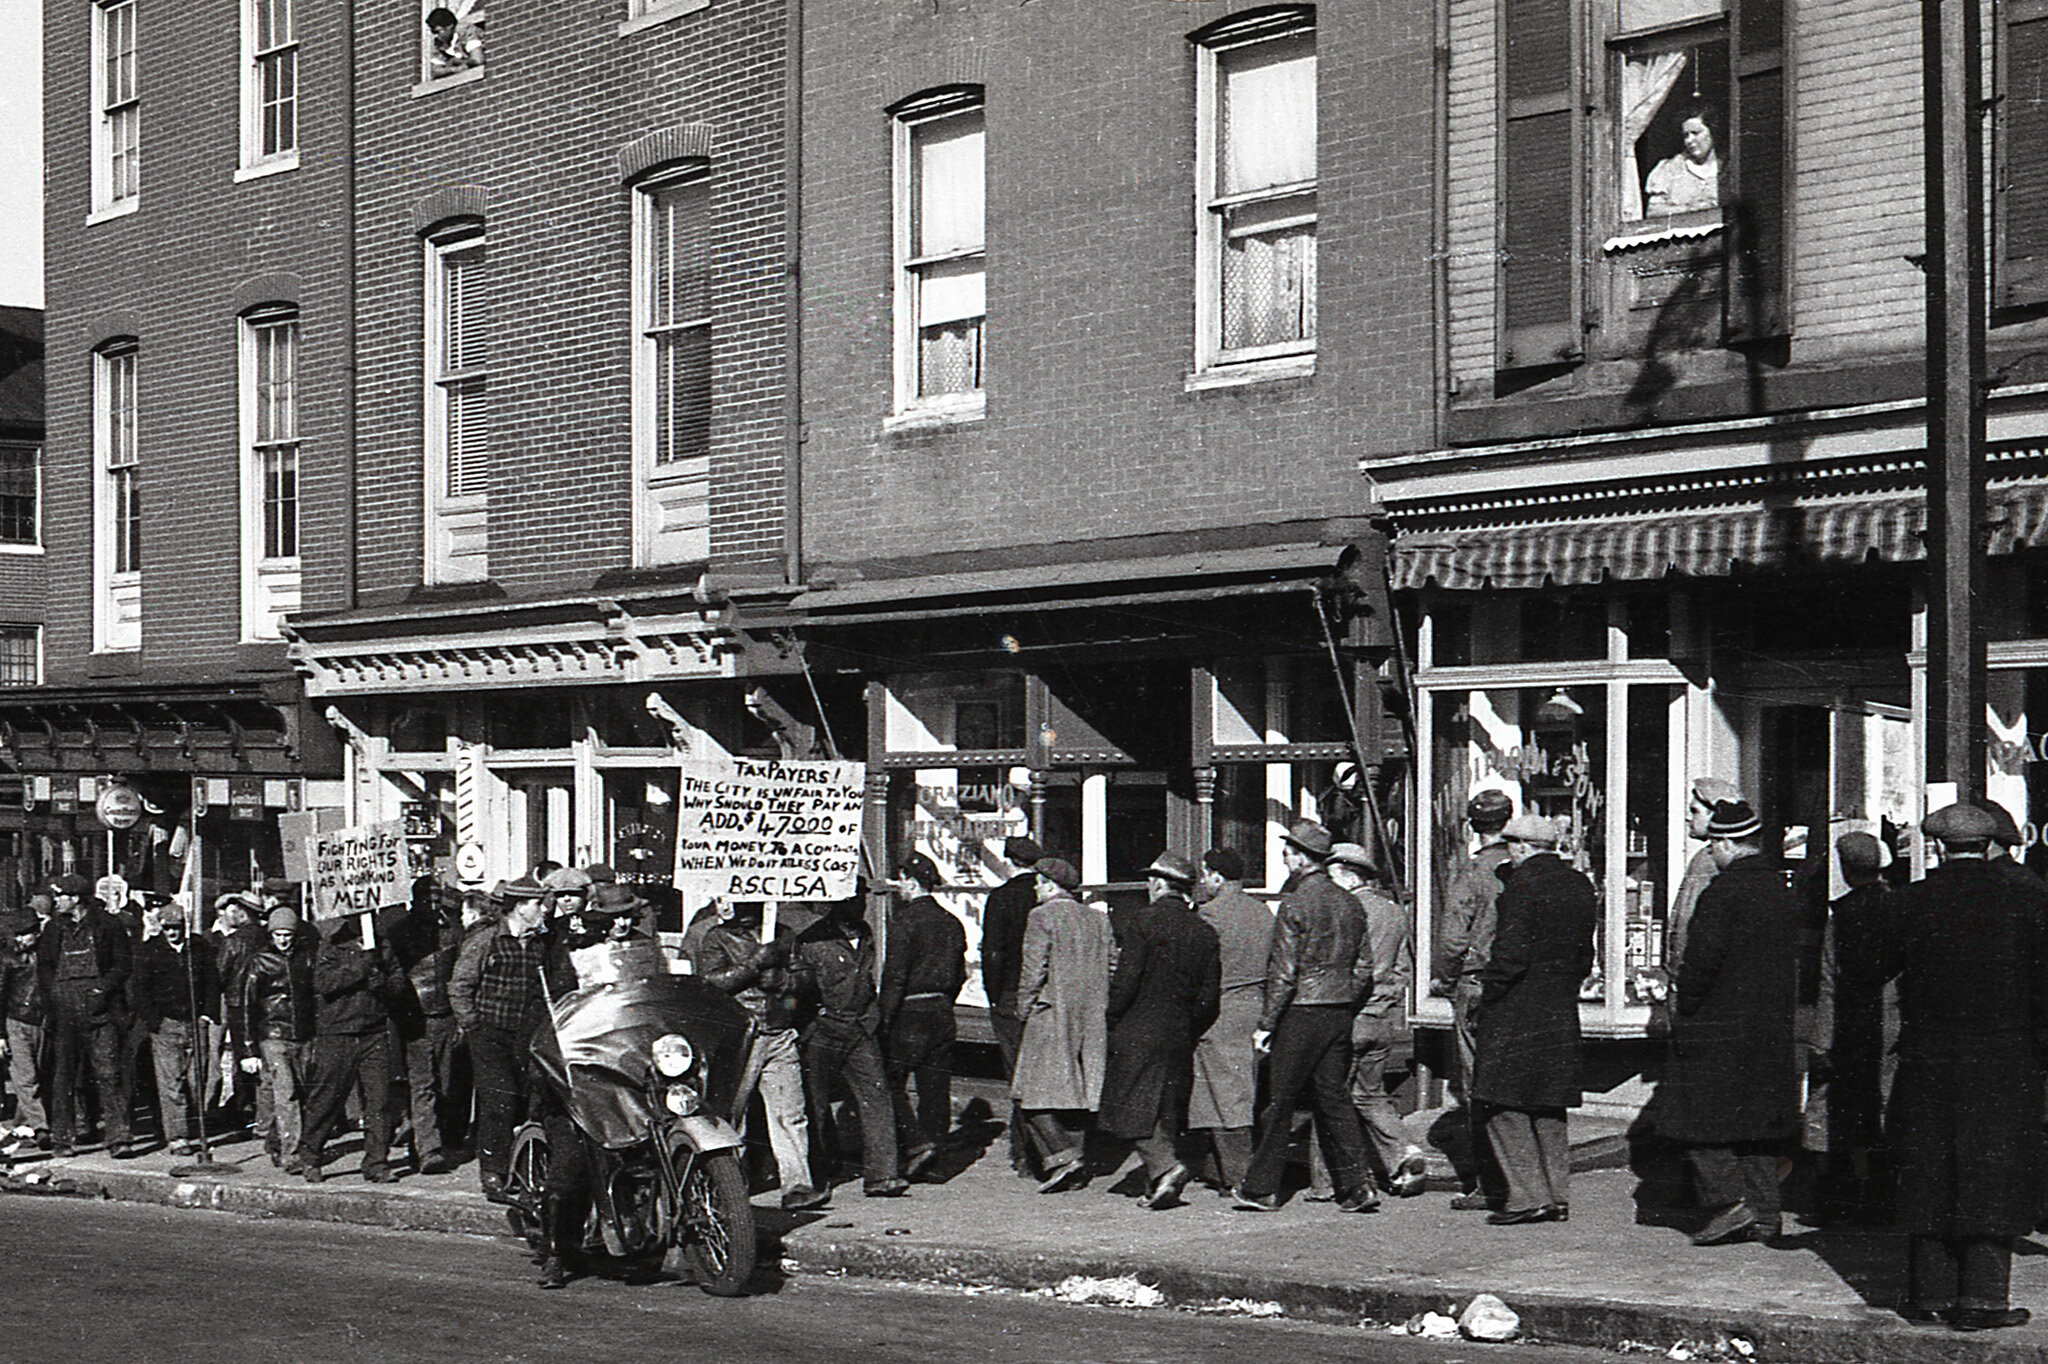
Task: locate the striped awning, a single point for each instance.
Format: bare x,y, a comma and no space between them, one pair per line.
1705,543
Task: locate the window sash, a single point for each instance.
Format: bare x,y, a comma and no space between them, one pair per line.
1266,114
20,656
279,468
949,177
942,272
20,491
463,421
681,359
117,54
465,436
118,117
277,102
276,25
117,410
125,494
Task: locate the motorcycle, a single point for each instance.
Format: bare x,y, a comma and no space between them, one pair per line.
648,1068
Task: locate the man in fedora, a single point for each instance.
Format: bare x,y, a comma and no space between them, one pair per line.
1163,995
1318,973
1463,942
1528,1069
1731,1088
1969,946
1707,792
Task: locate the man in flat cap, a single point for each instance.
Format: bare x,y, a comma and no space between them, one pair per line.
82,962
1003,916
1731,1089
1382,1022
1969,946
1855,1022
1317,975
496,994
173,971
1163,995
1707,792
922,972
1225,1078
1463,942
1063,995
1529,1067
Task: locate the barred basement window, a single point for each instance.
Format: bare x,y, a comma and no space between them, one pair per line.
942,270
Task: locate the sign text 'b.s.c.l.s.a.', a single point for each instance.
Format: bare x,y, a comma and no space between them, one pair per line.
359,870
769,830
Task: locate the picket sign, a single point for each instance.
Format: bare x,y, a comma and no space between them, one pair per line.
775,831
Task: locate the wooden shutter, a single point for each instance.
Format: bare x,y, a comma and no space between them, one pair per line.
1539,186
1756,197
2022,203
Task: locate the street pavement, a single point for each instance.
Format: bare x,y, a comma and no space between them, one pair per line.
88,1282
1599,1280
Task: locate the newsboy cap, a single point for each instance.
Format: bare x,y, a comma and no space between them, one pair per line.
1060,872
1537,831
1489,805
1171,866
1022,851
1352,855
1861,852
71,883
1960,823
2007,833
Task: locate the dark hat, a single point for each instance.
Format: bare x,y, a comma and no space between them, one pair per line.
613,898
920,869
71,883
1538,831
1490,806
40,904
1961,824
248,900
2007,834
567,881
1171,866
1353,855
1060,872
600,872
1022,851
1312,838
525,888
1733,819
1225,863
1860,852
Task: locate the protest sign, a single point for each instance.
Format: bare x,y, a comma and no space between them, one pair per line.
769,830
358,870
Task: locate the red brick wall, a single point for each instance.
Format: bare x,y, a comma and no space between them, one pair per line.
1090,136
173,270
562,94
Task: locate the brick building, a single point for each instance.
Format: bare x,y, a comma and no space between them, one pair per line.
1104,308
197,318
573,281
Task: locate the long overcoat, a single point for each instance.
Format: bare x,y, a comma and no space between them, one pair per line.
1225,1065
1528,1028
1063,998
1969,946
1733,1075
1162,996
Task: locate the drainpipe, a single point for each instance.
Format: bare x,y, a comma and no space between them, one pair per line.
348,309
1440,218
792,255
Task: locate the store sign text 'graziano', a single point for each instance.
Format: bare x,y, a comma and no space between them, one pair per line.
769,830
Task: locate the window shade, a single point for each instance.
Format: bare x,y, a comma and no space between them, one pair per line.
1268,96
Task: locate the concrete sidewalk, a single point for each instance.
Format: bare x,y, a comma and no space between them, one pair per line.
1599,1279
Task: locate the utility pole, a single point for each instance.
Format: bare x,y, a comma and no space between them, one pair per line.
1955,395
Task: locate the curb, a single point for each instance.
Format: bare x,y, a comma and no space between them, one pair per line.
1879,1338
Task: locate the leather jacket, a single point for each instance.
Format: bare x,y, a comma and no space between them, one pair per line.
276,1002
1321,952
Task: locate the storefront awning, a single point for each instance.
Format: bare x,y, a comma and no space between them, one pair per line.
1705,543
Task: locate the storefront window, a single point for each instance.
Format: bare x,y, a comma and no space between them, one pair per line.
1255,803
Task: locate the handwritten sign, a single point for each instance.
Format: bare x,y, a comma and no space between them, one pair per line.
769,830
358,870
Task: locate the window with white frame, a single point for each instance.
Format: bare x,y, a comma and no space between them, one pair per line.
672,367
117,609
270,470
1256,211
270,83
21,655
942,266
451,41
116,108
457,408
21,483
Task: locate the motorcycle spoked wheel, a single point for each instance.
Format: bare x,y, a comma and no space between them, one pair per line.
526,1183
715,1235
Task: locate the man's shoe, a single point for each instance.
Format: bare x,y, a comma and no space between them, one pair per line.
313,1173
1559,1212
888,1188
1411,1177
1987,1318
493,1186
1066,1175
1365,1200
1733,1224
1474,1202
1165,1191
185,1148
124,1150
1922,1316
63,1150
1244,1202
804,1198
296,1165
383,1174
1520,1217
555,1273
920,1160
43,1138
436,1165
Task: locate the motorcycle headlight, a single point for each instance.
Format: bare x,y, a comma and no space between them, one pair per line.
673,1055
682,1100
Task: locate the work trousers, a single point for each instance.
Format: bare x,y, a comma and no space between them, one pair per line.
1059,1140
1233,1146
853,1056
1746,1173
1480,1171
1311,1051
498,1058
775,1070
76,1040
26,1074
920,1048
1973,1271
281,1096
1372,1044
429,1080
1535,1155
344,1063
1009,1031
571,1184
171,1050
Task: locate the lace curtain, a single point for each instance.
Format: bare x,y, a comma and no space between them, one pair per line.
1645,84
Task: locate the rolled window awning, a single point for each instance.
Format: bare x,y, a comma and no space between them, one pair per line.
1710,542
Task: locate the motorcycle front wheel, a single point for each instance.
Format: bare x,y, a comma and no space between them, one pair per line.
716,1231
526,1184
